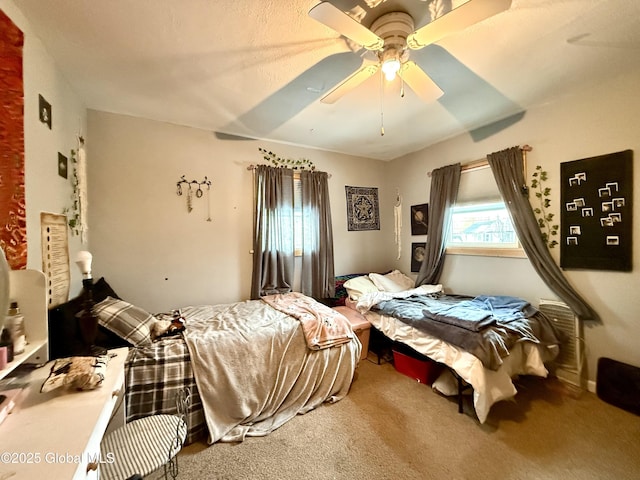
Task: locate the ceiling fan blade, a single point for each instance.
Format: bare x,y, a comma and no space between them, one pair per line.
284,104
459,18
470,99
333,17
349,84
419,82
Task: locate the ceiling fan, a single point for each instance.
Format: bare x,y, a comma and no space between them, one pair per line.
392,36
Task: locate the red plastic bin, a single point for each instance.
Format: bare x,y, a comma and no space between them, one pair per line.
422,370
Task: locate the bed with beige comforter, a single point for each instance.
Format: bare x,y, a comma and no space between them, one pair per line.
255,368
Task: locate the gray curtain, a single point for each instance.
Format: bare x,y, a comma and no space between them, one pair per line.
273,246
507,167
442,197
317,275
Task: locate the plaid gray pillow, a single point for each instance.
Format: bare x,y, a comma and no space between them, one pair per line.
129,322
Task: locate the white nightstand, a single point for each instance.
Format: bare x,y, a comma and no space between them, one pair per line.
57,434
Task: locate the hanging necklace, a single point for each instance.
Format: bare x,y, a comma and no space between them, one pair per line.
189,199
208,202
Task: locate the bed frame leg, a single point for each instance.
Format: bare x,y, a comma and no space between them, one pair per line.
460,388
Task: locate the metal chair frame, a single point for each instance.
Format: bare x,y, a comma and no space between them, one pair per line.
183,401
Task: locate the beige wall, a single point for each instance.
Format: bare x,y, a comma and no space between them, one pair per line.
156,254
590,122
45,190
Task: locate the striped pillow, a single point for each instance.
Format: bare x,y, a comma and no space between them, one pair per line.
129,322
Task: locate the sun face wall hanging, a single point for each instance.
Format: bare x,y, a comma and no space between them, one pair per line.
362,208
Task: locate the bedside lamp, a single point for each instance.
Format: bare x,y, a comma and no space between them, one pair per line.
83,260
88,323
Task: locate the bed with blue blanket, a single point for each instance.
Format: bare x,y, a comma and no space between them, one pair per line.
486,341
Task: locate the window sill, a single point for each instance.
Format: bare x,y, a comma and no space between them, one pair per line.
487,252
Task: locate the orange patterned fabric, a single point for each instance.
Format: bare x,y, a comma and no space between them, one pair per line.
13,223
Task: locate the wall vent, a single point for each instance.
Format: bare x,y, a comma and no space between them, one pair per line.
568,364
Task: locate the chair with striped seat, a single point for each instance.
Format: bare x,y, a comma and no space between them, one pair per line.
142,446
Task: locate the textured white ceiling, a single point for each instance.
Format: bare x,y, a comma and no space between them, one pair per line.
257,69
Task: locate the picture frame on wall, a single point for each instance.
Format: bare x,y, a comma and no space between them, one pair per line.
44,111
417,255
62,165
419,219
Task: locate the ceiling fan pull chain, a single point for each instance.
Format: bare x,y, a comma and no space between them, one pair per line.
401,87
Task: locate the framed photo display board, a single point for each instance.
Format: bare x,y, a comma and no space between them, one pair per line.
596,212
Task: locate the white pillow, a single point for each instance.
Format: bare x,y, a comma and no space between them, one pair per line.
356,287
395,281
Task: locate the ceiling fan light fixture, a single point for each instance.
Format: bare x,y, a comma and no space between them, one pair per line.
390,68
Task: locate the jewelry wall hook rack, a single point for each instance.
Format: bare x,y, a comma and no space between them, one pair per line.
194,187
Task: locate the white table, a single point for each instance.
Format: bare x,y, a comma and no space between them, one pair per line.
57,434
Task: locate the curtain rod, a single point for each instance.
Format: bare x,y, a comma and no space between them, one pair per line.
253,167
483,162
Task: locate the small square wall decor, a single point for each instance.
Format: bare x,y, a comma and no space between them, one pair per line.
44,109
362,208
62,165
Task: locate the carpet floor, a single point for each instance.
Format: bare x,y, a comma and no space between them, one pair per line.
391,427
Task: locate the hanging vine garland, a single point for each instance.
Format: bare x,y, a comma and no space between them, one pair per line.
276,161
547,228
73,212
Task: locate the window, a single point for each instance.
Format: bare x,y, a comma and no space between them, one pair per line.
298,223
303,219
483,229
481,224
297,215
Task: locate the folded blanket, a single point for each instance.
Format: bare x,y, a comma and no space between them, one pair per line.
322,326
478,313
